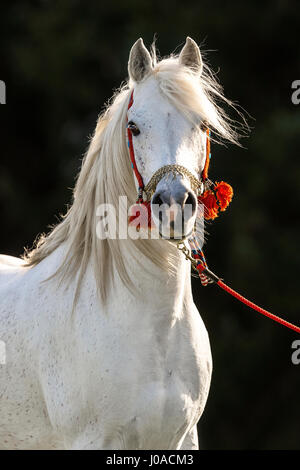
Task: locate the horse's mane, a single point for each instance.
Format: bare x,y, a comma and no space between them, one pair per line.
106,174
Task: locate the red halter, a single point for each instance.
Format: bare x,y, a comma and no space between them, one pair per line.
215,198
132,158
138,176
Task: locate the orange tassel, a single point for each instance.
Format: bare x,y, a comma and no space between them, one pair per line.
140,218
224,194
208,199
216,199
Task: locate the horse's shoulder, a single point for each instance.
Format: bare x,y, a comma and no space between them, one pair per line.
7,261
10,267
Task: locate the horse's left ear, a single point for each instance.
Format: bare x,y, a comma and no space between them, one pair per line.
190,56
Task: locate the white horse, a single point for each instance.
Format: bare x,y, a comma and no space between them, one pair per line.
105,348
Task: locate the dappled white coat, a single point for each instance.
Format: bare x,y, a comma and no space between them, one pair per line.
134,375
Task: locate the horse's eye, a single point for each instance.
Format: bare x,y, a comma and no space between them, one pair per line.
133,128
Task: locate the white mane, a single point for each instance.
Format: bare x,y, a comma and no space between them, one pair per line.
106,174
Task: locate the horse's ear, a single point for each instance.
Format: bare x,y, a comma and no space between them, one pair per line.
140,62
190,56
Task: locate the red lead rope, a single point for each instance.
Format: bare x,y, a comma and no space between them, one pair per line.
207,276
256,307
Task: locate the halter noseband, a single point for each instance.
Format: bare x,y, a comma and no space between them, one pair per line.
174,169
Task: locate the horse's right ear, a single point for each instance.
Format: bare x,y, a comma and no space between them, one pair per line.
140,63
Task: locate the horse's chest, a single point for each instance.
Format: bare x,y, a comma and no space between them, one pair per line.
158,383
162,412
141,386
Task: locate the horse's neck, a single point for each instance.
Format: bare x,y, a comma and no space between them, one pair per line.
155,288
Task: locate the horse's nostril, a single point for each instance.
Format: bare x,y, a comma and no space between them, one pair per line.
191,200
157,200
185,199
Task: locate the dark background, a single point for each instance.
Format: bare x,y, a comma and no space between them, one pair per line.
61,61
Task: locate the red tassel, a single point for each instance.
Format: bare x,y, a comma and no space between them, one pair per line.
216,199
140,218
208,199
224,194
